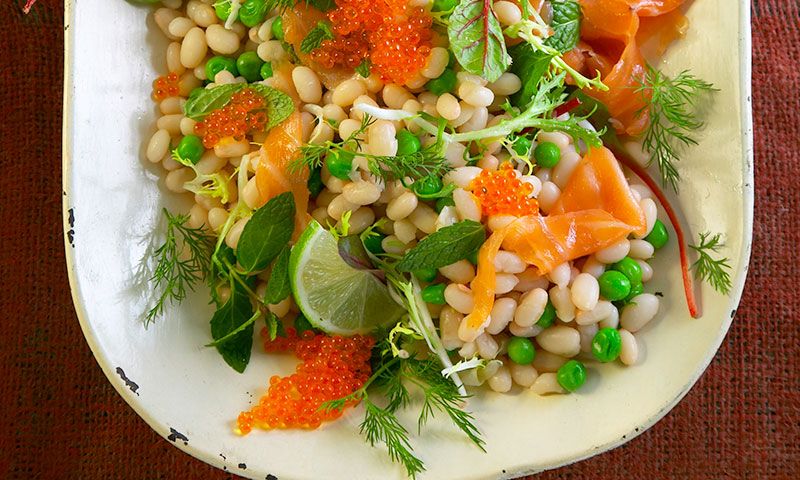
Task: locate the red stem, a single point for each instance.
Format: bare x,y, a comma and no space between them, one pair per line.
640,172
28,5
567,107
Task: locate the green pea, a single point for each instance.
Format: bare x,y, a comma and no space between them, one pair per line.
630,268
522,145
223,9
571,376
252,12
301,324
606,344
443,5
659,236
427,274
266,70
373,243
614,285
191,148
445,83
214,65
277,29
636,289
444,202
314,182
427,186
548,316
547,154
434,294
521,351
340,163
407,143
249,65
473,257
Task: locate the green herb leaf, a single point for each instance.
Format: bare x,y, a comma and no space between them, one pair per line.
477,40
529,65
381,426
714,271
444,247
209,99
278,287
279,105
566,25
228,318
322,5
363,68
321,32
273,325
267,233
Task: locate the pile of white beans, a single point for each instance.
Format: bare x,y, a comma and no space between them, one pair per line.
196,35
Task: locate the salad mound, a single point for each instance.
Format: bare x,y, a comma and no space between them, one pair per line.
422,200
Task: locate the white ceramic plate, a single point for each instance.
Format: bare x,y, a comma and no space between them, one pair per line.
112,202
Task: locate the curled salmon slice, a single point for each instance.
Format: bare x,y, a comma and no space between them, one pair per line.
273,173
598,183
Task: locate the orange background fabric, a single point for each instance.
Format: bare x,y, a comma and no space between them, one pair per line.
61,419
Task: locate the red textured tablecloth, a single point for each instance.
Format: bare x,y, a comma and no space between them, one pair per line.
61,419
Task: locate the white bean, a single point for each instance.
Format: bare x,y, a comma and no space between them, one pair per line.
475,95
497,222
402,206
179,26
531,307
508,83
361,193
170,123
501,381
250,194
603,310
504,283
468,350
338,206
460,272
394,96
175,179
560,340
201,13
509,262
508,13
489,162
361,219
587,333
222,40
530,279
449,322
436,63
229,148
523,375
562,172
448,107
561,139
614,253
461,176
526,332
447,217
467,205
163,17
502,314
562,301
641,249
548,362
560,275
424,218
548,196
271,51
547,383
593,267
629,354
405,231
647,270
454,153
650,210
585,292
391,244
639,312
382,140
232,238
193,48
217,218
460,298
308,86
158,146
487,346
612,321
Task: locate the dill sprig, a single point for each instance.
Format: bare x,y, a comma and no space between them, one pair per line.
380,424
671,105
428,161
183,261
707,268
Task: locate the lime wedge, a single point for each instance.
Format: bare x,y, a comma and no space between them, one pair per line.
332,295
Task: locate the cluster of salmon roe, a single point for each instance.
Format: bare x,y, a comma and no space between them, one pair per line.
330,368
166,86
242,115
395,36
502,192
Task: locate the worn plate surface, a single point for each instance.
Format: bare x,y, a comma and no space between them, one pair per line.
185,392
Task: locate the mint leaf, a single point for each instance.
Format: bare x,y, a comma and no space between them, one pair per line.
566,25
476,39
529,65
363,68
279,105
227,319
444,247
207,100
315,37
278,287
266,234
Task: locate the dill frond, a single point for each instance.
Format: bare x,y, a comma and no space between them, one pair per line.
707,268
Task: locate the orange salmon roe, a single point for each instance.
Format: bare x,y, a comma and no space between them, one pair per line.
502,192
166,86
242,115
330,368
393,35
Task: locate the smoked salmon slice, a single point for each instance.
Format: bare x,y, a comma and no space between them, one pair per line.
598,183
273,173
